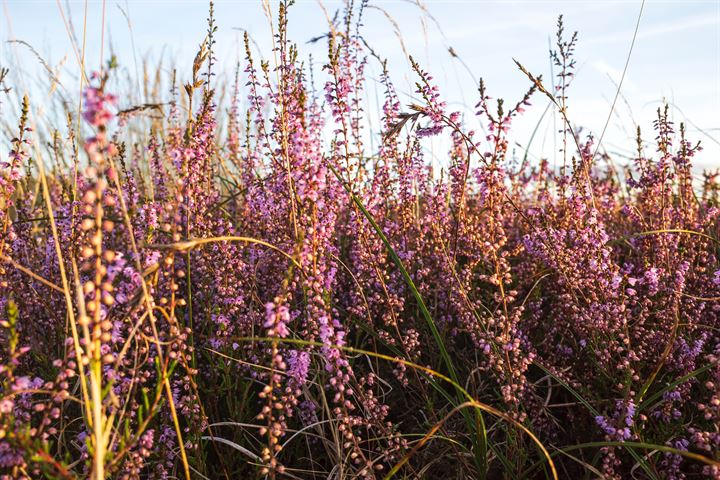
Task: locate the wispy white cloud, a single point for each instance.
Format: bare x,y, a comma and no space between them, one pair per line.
658,29
615,74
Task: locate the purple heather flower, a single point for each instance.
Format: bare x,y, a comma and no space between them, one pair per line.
716,278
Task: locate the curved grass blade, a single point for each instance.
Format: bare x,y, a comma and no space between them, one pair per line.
594,412
656,396
629,446
479,421
485,408
470,400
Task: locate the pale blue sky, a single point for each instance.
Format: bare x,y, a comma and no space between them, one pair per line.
676,55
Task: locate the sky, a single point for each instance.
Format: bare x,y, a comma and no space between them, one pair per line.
675,58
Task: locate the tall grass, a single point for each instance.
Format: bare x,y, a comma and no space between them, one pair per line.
252,279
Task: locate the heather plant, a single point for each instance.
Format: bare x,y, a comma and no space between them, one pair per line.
254,279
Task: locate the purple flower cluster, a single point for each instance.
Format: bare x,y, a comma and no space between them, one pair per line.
279,285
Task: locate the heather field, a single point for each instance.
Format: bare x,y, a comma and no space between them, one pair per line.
271,274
